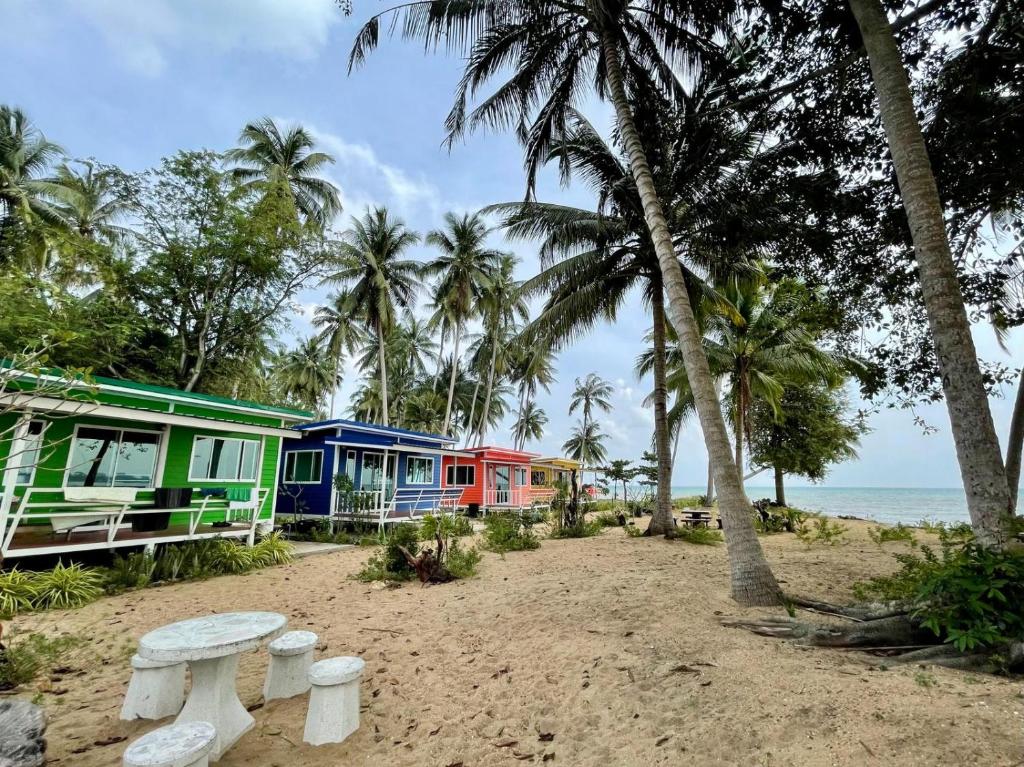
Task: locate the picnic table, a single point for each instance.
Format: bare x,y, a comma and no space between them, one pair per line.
696,518
212,646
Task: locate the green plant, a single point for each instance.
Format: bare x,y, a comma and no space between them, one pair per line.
924,679
233,557
507,531
689,502
702,536
823,530
606,519
460,562
458,526
633,531
17,592
25,659
581,529
272,550
899,532
776,519
390,564
930,525
134,571
66,586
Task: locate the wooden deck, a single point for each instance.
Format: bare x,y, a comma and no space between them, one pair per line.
40,540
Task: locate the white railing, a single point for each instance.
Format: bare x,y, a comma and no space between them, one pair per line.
511,496
403,505
108,516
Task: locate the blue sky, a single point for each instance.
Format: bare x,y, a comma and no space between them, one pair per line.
129,82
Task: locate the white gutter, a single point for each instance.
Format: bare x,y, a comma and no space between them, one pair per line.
401,448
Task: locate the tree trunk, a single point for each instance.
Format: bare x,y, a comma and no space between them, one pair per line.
485,415
751,577
452,378
334,382
1014,443
662,522
780,487
440,357
710,494
977,447
383,375
470,430
739,431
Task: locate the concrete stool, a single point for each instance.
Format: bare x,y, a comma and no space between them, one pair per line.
176,745
291,655
333,712
156,689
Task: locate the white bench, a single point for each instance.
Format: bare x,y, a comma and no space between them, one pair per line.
156,689
176,745
333,712
291,656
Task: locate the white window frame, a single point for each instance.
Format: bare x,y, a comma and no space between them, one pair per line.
351,465
161,447
257,464
452,468
25,450
288,456
383,472
408,462
518,471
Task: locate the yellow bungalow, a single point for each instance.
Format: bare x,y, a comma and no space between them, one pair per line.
545,472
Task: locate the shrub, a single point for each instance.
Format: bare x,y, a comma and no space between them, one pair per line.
899,532
235,558
27,658
507,531
689,502
605,519
134,571
17,591
390,564
779,519
66,586
582,529
633,531
823,530
930,525
702,536
272,550
459,526
460,562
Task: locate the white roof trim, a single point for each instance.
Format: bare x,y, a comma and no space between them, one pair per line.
402,448
34,403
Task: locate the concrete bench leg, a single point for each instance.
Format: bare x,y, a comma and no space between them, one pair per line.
156,690
333,712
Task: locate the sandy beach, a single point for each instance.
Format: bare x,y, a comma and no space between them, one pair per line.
601,651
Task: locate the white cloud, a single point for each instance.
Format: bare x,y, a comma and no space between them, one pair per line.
141,31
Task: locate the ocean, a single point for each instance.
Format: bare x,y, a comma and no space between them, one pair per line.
882,504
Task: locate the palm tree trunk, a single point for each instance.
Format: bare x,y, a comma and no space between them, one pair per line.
710,494
383,375
485,415
739,429
440,359
977,446
334,382
470,429
451,380
662,522
751,577
1015,442
780,486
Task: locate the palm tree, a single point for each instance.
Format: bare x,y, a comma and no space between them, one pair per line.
87,201
424,411
762,341
550,48
269,159
25,208
977,446
502,305
529,425
465,269
532,369
338,331
586,445
306,373
380,281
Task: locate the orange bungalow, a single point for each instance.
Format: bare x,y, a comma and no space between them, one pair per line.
493,478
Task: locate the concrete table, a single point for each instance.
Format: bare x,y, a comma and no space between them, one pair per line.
212,646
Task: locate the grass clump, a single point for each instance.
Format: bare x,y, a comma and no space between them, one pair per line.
701,536
17,590
779,519
460,562
607,519
458,526
27,658
66,586
634,532
689,502
507,531
899,532
579,529
822,530
272,550
134,571
389,563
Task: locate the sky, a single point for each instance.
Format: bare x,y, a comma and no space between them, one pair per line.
129,82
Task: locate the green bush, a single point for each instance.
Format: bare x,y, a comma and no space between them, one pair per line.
702,536
689,502
823,530
66,586
582,529
272,550
25,659
458,526
460,562
17,591
507,531
633,531
776,519
390,564
606,519
134,571
235,558
899,532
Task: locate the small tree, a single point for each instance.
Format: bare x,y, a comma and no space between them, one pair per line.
621,470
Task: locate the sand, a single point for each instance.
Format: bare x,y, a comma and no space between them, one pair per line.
603,651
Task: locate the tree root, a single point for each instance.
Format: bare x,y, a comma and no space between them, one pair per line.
867,612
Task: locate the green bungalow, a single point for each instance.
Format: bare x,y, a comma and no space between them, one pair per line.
110,463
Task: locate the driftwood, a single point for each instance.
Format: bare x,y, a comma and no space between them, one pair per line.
429,566
881,630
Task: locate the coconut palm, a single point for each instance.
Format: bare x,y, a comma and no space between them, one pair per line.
628,53
87,200
981,463
590,394
341,335
586,445
306,373
532,369
26,211
271,159
529,425
381,282
465,268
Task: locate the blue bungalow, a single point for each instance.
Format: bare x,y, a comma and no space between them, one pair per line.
394,474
